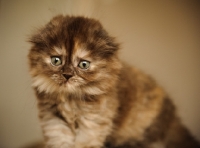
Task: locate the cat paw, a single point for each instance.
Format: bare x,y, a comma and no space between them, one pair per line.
64,145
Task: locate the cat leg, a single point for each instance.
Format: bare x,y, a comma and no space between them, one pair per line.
92,132
57,133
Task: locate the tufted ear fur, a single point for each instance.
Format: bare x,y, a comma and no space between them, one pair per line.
87,30
41,36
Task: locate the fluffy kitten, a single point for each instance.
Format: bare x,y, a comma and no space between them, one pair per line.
88,98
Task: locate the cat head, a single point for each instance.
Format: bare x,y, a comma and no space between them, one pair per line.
74,55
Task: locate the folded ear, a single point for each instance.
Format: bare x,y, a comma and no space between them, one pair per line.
107,45
43,35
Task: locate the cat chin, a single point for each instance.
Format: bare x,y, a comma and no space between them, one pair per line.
77,90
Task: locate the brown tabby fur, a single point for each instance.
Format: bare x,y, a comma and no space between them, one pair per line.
107,105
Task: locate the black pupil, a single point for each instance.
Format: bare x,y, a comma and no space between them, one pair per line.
84,64
56,60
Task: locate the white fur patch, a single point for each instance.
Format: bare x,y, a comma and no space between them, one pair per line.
59,134
60,51
43,84
80,53
48,60
93,90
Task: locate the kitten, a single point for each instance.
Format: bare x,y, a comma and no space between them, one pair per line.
88,98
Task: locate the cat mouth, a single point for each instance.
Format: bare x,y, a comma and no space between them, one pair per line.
67,82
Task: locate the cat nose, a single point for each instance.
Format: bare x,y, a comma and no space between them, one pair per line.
67,72
67,76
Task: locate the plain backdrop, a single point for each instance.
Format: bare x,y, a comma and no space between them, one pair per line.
160,37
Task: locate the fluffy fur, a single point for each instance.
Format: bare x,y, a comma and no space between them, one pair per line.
108,104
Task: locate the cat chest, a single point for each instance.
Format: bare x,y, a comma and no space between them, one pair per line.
85,122
89,122
69,112
79,116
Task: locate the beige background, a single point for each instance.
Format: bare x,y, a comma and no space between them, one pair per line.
161,38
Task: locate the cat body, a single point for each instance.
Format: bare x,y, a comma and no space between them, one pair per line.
88,98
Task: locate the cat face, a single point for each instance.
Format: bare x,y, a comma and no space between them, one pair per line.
73,55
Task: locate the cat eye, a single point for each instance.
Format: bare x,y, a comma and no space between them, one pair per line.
56,61
84,64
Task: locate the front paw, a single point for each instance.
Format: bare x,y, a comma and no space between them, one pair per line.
63,145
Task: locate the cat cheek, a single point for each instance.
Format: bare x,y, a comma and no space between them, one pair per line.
56,78
43,84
